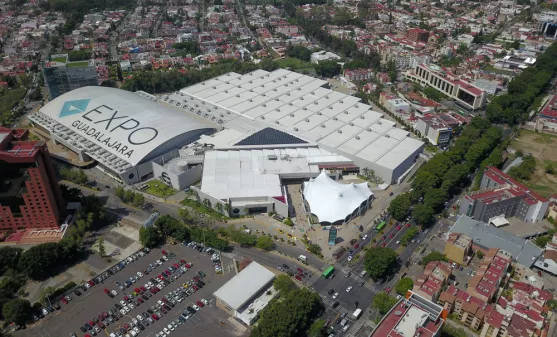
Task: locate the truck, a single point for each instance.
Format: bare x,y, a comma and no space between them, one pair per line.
357,313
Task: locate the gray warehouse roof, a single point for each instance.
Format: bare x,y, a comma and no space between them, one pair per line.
487,236
242,287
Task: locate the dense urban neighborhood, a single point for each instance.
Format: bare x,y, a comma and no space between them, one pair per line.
278,168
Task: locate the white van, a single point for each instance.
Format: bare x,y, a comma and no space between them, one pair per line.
363,273
302,258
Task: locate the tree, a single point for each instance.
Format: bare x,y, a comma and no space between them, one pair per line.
404,285
265,243
39,261
317,329
379,262
436,198
102,251
383,302
283,283
423,214
480,254
400,206
328,68
149,236
109,83
433,256
315,249
138,199
9,257
17,311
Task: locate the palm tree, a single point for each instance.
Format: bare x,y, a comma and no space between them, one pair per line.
219,207
365,171
207,203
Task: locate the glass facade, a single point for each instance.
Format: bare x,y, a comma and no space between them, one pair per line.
62,79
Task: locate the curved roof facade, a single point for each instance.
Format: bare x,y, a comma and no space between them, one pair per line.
133,127
332,201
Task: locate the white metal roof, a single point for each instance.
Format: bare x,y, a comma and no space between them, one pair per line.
332,201
302,105
256,172
129,126
242,287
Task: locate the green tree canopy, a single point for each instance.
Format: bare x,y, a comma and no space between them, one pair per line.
265,243
423,214
433,256
328,68
379,262
383,302
317,329
17,311
149,236
404,285
283,283
9,258
400,206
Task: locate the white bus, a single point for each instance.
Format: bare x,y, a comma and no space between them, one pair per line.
357,313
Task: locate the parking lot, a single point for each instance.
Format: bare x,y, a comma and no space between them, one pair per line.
207,321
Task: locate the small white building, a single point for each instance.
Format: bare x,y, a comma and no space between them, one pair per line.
324,56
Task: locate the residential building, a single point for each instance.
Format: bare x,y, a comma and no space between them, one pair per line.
358,74
437,128
464,93
459,248
466,308
394,104
513,62
62,76
245,302
417,35
499,195
548,115
30,196
495,325
323,56
431,282
413,315
490,274
486,236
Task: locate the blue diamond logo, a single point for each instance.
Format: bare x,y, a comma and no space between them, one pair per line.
74,107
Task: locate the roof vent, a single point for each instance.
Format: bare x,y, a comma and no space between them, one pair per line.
313,92
250,100
355,106
319,113
307,120
304,108
226,91
251,90
276,98
299,89
330,107
286,85
262,85
368,129
351,124
250,82
263,105
362,117
277,109
322,125
276,122
237,95
208,110
315,103
287,94
290,103
357,137
275,89
387,136
295,129
327,97
346,112
334,118
291,115
339,131
301,98
204,83
262,117
214,87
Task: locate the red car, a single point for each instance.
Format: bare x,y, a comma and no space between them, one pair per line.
101,325
183,261
100,317
188,265
384,237
155,317
143,288
176,265
200,304
408,225
398,228
299,270
106,291
356,246
168,273
91,283
164,300
391,236
383,244
91,323
387,290
105,315
160,277
137,290
298,278
195,287
164,252
126,326
65,301
140,300
152,290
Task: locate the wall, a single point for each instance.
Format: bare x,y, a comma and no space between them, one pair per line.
214,201
178,181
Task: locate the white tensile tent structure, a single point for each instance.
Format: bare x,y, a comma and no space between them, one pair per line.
332,201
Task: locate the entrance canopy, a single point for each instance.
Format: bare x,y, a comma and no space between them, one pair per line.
332,201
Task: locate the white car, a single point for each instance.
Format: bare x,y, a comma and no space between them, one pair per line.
133,333
134,320
140,274
137,330
131,305
195,307
164,258
348,289
147,286
123,303
162,334
122,311
169,326
160,302
139,317
398,242
159,262
350,257
160,286
166,331
335,296
204,301
365,237
150,284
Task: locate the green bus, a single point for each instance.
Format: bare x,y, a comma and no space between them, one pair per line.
380,226
328,272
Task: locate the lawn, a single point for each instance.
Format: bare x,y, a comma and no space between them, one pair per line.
498,71
294,63
159,189
543,147
77,64
58,59
199,207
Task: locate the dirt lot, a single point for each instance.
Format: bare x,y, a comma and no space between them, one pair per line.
544,148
